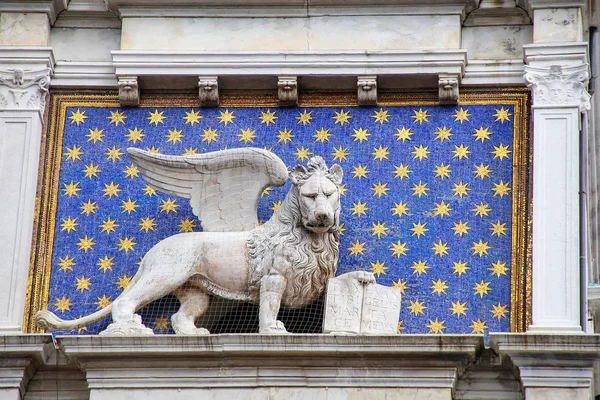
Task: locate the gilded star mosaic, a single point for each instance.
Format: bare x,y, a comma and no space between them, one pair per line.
434,199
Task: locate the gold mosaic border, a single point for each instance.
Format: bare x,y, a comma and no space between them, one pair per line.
50,163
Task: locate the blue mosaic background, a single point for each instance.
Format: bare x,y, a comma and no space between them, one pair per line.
427,197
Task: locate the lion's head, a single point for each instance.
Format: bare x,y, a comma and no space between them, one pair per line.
318,194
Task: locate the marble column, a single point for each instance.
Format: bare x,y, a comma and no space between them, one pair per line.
557,74
24,82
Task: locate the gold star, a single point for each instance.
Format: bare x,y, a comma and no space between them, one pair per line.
340,154
85,243
416,307
401,171
322,135
357,248
186,225
498,268
247,135
78,117
266,192
161,324
459,267
378,268
210,135
302,153
461,228
109,225
66,264
440,249
381,116
461,189
276,205
420,267
482,171
174,136
341,229
501,152
380,153
63,304
399,249
154,150
73,153
135,135
304,117
379,229
380,189
123,281
482,288
190,152
359,208
342,189
71,189
482,134
105,264
342,117
267,117
438,287
400,284
420,116
443,134
502,115
442,171
360,172
95,135
149,191
461,152
481,209
131,171
88,208
500,189
147,224
442,209
480,248
111,190
499,311
420,189
400,209
436,326
168,206
461,115
361,135
419,229
458,308
126,244
285,136
498,229
117,117
403,134
102,301
92,171
113,154
226,117
421,152
192,117
129,206
156,117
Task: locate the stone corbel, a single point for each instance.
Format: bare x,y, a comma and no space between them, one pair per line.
129,91
287,91
559,86
367,90
448,89
208,91
24,89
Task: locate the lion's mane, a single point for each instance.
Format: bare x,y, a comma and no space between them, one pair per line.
314,255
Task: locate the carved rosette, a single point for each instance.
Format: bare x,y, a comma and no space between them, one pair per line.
24,89
559,86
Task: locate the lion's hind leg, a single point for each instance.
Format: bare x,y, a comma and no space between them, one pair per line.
194,303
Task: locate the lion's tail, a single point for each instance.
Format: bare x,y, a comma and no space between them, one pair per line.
48,320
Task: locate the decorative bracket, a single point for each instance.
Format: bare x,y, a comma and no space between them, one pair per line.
24,89
367,90
448,89
559,86
129,91
208,91
287,91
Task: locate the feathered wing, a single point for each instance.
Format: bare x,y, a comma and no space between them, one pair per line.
224,187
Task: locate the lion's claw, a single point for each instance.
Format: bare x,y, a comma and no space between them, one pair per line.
276,327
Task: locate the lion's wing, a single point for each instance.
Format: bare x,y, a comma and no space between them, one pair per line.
224,187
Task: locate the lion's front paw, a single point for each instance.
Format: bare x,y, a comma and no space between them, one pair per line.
276,327
365,277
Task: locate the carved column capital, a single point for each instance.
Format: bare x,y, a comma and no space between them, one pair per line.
559,86
24,89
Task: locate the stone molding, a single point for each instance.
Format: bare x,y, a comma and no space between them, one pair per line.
24,89
84,74
557,86
50,7
493,72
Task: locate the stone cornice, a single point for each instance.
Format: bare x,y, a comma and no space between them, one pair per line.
50,7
